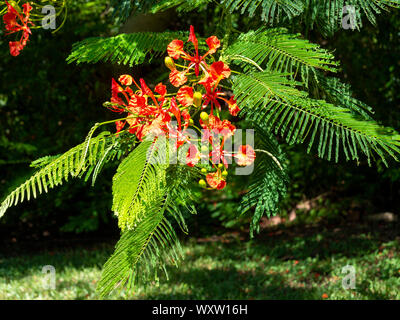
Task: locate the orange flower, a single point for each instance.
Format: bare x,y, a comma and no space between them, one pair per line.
119,125
162,91
125,79
325,296
175,49
10,20
245,155
213,43
177,78
193,156
219,70
233,107
215,180
185,96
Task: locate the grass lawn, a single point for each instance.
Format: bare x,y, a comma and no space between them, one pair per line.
282,263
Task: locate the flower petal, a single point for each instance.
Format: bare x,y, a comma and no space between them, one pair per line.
192,37
185,96
177,78
245,155
219,70
233,107
213,43
193,156
125,79
215,180
175,49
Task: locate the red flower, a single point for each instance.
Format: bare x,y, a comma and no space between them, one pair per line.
219,70
213,43
143,118
10,20
233,107
218,126
119,125
193,156
177,78
215,180
125,79
116,100
162,91
179,133
175,51
245,155
218,155
185,96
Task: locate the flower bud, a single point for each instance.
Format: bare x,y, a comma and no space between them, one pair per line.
204,170
220,165
204,149
197,97
191,121
204,117
169,63
224,173
202,183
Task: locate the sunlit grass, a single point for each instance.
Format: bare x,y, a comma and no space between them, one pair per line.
277,265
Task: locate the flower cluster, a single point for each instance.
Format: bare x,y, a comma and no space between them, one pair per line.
198,77
15,22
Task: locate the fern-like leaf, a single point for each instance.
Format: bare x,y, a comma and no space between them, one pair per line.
127,49
277,50
271,10
271,99
55,170
268,182
140,250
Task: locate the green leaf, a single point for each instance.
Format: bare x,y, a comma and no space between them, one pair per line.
277,50
271,99
127,49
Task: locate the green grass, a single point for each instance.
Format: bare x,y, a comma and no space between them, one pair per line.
285,263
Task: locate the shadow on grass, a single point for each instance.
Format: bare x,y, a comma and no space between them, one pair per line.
280,263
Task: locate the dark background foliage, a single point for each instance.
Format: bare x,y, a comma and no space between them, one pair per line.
48,106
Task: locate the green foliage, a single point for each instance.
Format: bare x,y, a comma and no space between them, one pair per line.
277,50
271,10
130,49
327,16
142,249
336,92
139,180
269,180
271,99
142,200
123,8
55,170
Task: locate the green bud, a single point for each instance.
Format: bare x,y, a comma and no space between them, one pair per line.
224,173
204,170
204,117
220,165
197,96
204,149
202,183
169,63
